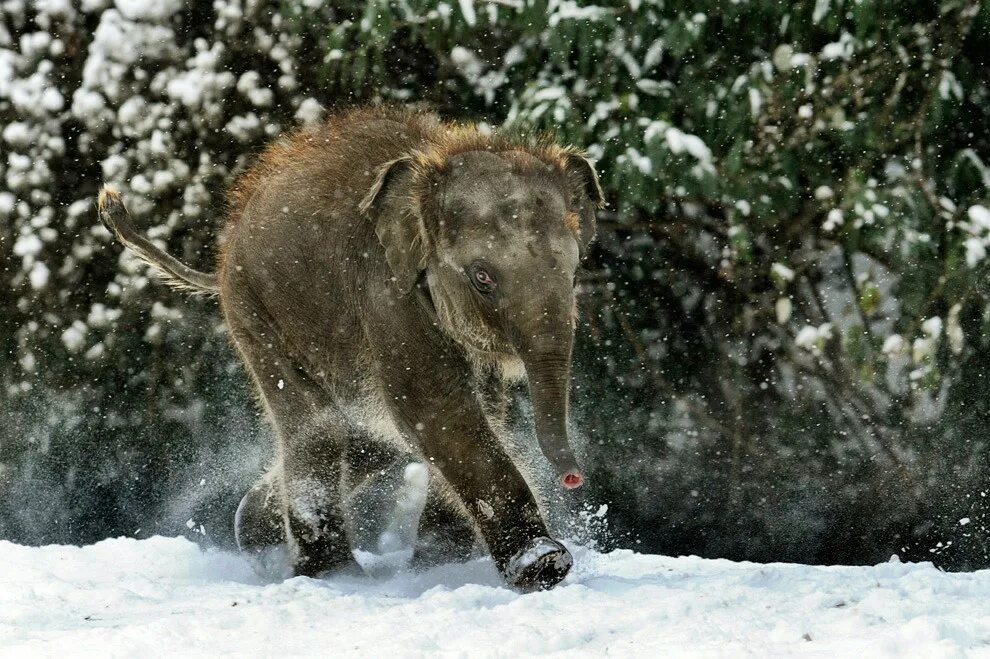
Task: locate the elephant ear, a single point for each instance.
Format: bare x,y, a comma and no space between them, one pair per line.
397,222
588,196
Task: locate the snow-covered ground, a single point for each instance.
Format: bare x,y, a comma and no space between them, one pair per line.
167,597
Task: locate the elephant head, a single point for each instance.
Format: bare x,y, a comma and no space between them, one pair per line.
494,235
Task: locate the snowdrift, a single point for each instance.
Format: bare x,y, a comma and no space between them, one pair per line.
166,596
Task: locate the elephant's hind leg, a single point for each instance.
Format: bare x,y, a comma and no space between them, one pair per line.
313,515
312,435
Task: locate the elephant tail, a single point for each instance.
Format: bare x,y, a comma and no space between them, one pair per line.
176,274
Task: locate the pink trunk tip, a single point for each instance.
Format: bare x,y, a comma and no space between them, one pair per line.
572,480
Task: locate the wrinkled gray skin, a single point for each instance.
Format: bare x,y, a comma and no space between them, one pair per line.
365,334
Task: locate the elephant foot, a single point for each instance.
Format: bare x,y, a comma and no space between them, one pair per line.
323,559
540,565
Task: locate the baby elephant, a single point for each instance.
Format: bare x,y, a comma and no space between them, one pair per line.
384,278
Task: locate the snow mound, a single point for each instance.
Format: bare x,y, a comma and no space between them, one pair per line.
159,596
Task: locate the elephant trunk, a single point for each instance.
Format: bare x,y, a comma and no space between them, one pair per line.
548,372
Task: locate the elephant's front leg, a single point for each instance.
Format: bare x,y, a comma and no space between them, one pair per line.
455,436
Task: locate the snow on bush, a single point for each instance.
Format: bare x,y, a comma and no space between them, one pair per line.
156,104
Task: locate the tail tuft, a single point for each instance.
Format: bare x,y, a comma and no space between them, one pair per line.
108,194
110,208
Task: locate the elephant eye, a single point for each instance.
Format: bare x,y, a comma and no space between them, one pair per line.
482,280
